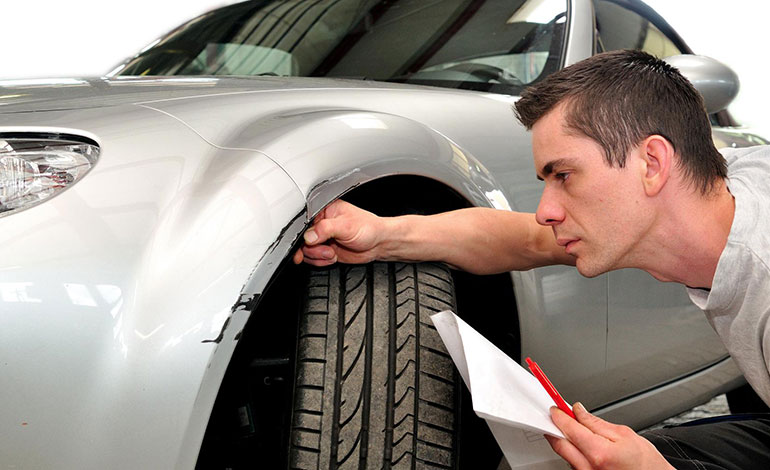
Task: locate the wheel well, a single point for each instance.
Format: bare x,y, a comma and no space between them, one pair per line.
405,194
257,384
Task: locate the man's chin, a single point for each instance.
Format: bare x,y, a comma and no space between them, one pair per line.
589,270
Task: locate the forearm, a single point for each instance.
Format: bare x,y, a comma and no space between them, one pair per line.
477,240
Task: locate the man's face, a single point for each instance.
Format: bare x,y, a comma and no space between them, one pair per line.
597,212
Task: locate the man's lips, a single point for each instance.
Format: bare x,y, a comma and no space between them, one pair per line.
567,243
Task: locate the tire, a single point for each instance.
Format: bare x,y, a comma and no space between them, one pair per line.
375,387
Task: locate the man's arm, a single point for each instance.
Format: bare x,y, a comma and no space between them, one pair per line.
477,240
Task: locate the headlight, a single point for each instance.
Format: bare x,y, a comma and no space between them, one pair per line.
36,168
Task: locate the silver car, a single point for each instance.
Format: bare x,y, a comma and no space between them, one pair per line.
150,315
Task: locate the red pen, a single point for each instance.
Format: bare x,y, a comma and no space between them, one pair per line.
549,387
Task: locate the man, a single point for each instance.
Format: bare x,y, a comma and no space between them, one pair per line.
632,179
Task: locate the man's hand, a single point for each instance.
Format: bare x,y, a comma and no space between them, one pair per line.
341,232
594,444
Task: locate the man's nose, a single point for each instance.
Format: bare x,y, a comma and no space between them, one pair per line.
549,211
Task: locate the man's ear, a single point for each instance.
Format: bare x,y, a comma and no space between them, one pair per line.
657,155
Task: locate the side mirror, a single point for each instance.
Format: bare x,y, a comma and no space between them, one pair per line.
714,80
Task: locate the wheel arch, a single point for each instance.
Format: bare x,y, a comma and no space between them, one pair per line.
487,299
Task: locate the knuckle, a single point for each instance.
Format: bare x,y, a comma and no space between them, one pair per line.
559,445
322,227
625,431
599,460
334,208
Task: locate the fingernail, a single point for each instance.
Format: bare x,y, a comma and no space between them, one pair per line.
579,407
310,236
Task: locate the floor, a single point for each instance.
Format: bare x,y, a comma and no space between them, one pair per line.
716,407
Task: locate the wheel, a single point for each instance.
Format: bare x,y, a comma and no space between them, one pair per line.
374,386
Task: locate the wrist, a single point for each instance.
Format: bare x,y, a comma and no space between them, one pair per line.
396,238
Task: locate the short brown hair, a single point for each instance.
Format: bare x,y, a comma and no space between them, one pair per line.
619,98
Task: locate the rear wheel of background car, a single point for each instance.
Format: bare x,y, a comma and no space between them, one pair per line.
375,387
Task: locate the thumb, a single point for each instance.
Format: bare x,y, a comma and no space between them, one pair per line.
327,228
311,235
595,424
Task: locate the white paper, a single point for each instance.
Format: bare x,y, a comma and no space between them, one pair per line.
510,399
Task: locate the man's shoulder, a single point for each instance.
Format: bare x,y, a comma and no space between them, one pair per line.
746,155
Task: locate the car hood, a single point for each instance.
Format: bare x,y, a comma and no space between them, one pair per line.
56,94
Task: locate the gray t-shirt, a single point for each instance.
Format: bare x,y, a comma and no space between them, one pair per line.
738,305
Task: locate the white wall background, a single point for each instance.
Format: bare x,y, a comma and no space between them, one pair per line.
47,38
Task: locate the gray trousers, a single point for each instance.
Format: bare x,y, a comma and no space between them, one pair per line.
737,442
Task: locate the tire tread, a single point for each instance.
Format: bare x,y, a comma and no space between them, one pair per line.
375,386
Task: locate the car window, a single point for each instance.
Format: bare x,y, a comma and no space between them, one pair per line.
497,46
620,28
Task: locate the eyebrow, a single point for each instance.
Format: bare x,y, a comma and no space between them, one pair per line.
548,167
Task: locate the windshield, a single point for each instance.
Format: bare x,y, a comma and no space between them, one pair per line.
488,45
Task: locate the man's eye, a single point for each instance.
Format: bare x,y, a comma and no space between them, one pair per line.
561,176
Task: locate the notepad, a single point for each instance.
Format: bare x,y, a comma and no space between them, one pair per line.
509,398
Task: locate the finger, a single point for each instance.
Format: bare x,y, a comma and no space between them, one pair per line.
322,231
323,259
613,432
319,252
583,438
322,255
320,262
311,236
345,255
298,256
568,452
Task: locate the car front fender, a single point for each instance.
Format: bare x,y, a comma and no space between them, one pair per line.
116,294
